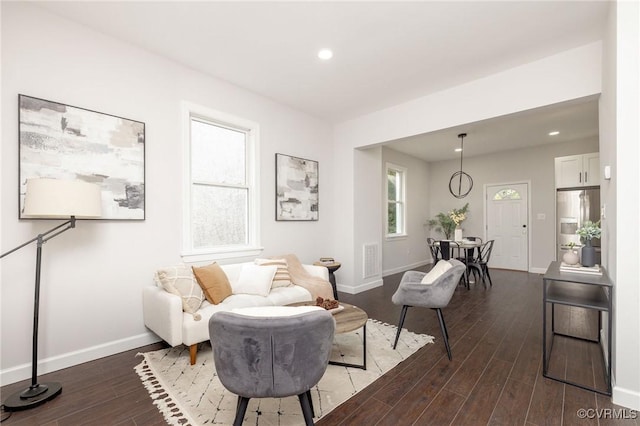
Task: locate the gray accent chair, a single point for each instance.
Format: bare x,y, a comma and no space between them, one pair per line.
435,296
271,357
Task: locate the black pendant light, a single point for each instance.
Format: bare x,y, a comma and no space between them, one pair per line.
460,183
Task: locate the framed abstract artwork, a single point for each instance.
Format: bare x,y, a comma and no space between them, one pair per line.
65,142
296,188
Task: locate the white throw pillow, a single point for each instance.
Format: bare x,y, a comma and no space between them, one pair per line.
255,279
275,311
435,272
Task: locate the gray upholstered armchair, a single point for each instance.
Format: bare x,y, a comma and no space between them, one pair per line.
435,294
284,351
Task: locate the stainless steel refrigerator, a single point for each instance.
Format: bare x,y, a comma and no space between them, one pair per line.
574,207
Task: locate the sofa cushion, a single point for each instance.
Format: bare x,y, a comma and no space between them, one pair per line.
287,295
255,279
282,278
435,272
179,280
213,281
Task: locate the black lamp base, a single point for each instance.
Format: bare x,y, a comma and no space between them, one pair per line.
32,396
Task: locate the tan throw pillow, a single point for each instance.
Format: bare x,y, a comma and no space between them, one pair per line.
282,277
435,272
214,282
179,280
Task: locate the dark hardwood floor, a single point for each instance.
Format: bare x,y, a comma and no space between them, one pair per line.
494,378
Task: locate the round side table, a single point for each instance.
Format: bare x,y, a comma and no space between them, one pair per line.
332,267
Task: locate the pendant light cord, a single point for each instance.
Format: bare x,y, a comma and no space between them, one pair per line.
461,136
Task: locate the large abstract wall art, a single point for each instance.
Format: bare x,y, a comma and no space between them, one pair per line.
65,142
296,188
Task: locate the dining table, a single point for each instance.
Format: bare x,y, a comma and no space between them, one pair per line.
467,245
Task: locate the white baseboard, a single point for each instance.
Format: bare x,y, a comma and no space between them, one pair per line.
48,365
625,397
392,271
538,270
362,287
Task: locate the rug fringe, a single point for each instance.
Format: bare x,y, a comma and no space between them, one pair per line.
430,339
171,410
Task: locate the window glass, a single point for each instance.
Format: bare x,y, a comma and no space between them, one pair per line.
217,154
507,194
219,216
395,194
392,182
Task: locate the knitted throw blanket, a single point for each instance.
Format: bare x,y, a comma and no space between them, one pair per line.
299,276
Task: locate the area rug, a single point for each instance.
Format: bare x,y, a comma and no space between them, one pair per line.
193,395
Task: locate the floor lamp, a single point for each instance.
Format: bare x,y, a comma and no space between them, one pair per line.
50,199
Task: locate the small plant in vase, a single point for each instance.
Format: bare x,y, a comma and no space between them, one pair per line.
571,257
588,232
448,222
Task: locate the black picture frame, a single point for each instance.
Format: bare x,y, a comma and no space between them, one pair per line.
66,142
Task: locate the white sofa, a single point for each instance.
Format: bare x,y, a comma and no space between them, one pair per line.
163,312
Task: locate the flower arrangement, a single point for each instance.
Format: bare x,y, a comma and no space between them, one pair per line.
457,216
447,222
589,231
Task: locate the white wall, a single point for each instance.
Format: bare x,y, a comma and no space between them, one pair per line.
93,276
400,254
619,134
535,165
548,81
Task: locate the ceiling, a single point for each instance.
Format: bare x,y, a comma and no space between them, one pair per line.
575,120
385,53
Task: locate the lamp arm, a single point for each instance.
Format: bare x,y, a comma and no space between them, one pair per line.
71,223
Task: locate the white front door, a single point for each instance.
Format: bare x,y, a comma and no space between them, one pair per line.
508,225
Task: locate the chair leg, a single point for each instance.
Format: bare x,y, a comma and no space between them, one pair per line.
403,314
313,412
486,271
241,410
193,351
306,408
443,329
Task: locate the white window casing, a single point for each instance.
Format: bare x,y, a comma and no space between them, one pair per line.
250,247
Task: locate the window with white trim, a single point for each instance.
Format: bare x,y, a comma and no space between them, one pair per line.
221,190
396,200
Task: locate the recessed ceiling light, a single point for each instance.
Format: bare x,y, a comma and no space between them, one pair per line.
325,54
554,133
458,149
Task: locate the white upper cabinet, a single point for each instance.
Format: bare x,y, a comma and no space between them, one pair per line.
578,170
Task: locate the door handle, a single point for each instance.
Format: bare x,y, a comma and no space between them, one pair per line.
585,177
580,177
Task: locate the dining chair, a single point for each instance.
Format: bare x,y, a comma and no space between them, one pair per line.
481,264
433,248
448,250
471,255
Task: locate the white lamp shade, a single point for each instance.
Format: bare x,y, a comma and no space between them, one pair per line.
58,198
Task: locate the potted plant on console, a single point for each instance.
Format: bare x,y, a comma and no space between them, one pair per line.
587,232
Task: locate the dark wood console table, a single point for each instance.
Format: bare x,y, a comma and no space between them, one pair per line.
584,291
